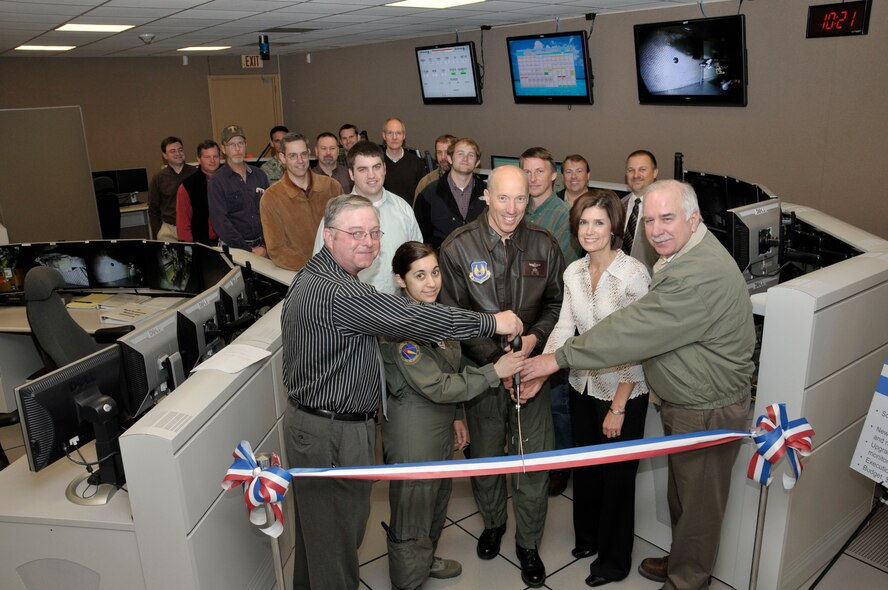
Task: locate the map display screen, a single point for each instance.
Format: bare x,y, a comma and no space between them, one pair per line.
550,68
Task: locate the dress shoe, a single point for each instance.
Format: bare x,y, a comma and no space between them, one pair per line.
558,482
582,552
596,581
489,542
533,572
443,569
654,568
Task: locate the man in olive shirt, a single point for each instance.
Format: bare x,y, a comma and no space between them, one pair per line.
695,330
292,207
163,188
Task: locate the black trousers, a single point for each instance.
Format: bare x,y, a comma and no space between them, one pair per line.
604,495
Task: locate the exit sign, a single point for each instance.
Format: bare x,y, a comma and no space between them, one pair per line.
251,61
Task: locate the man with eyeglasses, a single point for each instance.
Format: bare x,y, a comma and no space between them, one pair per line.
404,167
396,220
498,262
332,370
456,198
233,194
294,204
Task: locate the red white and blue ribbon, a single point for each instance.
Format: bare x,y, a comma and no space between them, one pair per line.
260,486
775,436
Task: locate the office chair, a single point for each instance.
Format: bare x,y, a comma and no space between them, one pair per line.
58,338
7,419
108,207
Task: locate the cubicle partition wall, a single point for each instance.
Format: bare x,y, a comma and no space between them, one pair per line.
825,341
191,534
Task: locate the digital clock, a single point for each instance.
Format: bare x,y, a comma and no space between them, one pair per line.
839,19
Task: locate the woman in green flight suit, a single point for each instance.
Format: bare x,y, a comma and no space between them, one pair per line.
425,381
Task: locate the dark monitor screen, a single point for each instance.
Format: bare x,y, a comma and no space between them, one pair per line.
52,408
550,68
692,62
210,265
115,264
130,180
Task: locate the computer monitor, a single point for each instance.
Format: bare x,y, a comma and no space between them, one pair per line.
12,269
129,180
448,74
151,363
210,266
197,328
753,239
233,294
550,68
68,407
115,264
170,267
67,258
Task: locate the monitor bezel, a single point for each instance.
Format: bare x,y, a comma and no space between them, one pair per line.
451,100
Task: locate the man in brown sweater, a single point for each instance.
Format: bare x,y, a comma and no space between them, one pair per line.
292,208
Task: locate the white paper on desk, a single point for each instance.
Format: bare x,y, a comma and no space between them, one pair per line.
233,358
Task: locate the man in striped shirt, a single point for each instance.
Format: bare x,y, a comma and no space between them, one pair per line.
332,372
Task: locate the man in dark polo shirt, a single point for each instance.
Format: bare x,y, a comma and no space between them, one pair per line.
163,187
192,210
233,194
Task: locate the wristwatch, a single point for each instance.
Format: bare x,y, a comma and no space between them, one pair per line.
616,412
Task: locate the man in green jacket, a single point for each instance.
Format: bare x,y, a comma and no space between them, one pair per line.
695,330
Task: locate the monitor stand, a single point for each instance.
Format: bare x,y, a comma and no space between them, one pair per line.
80,486
101,411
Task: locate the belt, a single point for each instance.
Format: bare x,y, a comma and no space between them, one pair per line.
344,417
254,243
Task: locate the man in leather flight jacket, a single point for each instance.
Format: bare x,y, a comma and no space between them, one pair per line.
500,261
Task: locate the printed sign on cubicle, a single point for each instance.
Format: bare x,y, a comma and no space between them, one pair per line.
871,454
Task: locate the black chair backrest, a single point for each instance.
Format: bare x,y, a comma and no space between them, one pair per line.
59,339
108,207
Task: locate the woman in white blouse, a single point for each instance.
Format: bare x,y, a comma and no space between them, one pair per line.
607,405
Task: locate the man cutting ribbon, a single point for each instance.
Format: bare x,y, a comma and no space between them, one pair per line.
500,262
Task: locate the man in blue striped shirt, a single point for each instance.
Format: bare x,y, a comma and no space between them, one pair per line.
332,372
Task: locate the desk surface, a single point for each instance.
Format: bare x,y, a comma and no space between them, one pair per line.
14,319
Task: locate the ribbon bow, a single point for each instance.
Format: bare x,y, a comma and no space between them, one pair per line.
261,487
774,437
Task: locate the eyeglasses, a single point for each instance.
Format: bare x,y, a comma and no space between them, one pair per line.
374,234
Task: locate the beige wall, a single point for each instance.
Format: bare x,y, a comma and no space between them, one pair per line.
815,123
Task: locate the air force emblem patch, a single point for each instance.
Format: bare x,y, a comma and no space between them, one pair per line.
480,273
409,352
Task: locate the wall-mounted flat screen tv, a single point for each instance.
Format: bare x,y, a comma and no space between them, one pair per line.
551,68
692,62
448,74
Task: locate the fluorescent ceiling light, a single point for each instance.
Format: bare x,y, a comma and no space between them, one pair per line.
207,48
432,3
45,47
79,27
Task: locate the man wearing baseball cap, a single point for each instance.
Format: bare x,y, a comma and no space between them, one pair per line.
233,194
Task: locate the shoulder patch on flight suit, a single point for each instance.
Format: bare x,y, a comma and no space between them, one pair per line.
480,273
409,352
